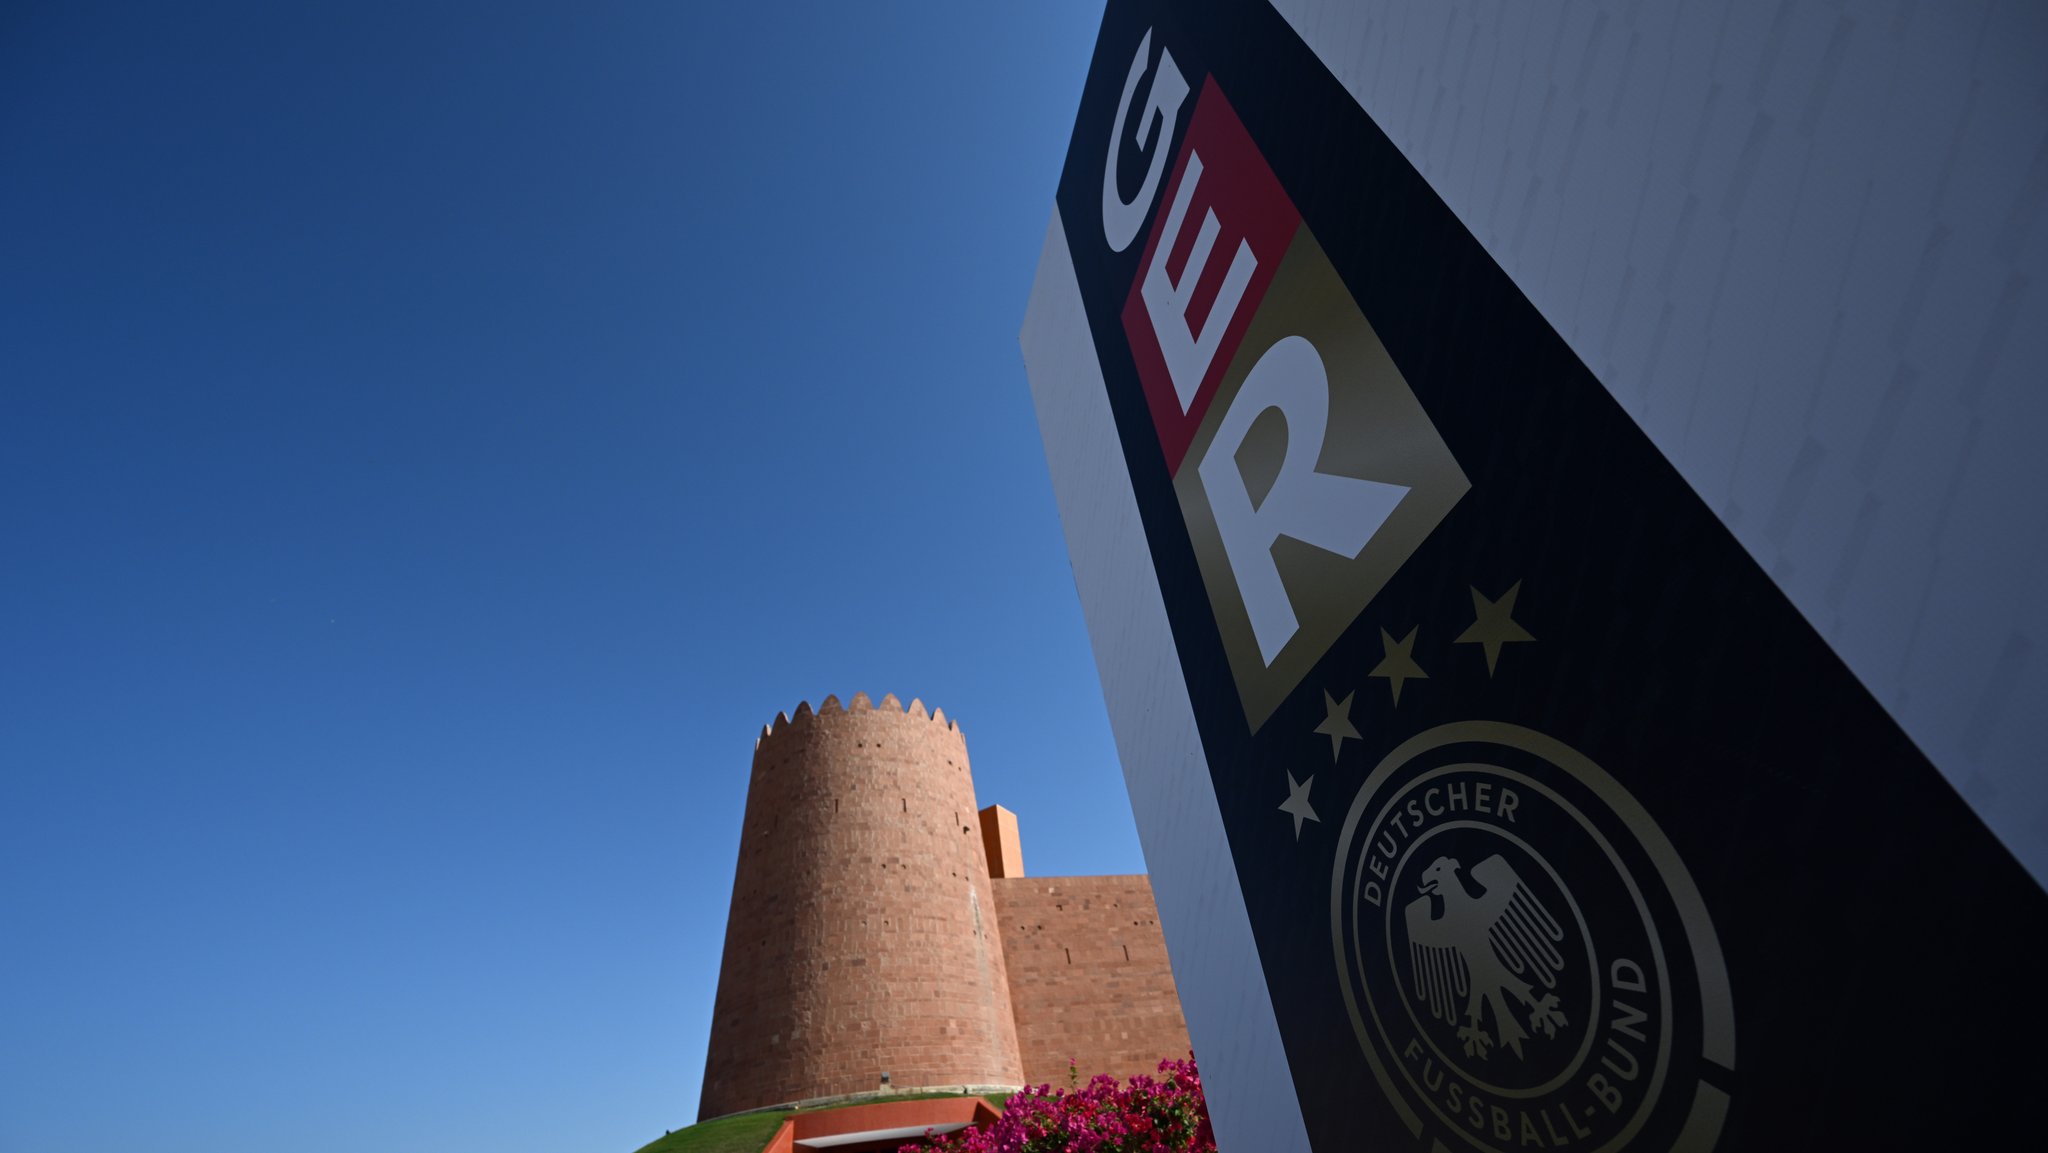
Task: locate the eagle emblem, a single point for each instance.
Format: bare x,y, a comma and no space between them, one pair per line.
1486,949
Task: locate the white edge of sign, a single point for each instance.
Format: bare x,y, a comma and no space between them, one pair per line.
1229,1010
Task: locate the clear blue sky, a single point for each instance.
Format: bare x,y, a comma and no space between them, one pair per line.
433,439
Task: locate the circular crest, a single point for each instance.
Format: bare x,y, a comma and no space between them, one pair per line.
1525,959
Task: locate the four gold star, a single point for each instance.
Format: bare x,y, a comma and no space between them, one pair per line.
1496,625
1399,663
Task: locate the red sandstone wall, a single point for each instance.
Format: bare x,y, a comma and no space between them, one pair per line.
863,936
1088,976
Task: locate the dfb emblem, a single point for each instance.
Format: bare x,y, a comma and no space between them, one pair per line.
1505,921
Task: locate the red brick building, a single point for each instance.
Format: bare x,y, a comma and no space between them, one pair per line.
884,938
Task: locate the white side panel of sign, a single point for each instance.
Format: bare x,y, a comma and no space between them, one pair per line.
1201,908
1804,246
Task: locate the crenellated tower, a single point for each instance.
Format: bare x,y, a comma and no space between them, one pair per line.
862,952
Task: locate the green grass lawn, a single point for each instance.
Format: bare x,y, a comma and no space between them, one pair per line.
745,1133
749,1132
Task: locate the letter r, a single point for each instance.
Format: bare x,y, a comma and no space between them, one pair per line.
1337,514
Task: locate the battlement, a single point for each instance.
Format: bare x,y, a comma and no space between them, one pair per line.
830,712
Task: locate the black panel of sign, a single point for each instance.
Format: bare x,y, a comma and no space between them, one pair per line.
1558,825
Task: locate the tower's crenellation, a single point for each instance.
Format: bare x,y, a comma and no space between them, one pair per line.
803,717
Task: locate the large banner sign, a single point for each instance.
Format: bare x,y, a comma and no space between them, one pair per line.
1556,825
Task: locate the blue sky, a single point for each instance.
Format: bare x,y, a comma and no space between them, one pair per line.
433,440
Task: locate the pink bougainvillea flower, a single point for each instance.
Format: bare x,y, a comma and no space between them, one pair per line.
1146,1115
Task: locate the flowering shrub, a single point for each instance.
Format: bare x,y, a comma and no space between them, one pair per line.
1147,1115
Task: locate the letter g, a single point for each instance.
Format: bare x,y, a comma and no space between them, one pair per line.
1122,219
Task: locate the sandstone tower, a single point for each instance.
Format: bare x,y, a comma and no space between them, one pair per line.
863,939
